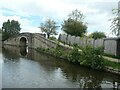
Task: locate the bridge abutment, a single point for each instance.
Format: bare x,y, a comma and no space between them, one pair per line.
31,40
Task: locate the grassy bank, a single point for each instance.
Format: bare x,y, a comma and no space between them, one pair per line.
89,57
114,65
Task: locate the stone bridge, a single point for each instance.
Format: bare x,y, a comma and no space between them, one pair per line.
32,40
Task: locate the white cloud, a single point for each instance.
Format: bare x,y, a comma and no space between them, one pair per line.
24,23
97,12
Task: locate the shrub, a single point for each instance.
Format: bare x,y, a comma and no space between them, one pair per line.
89,56
58,51
53,38
74,55
92,57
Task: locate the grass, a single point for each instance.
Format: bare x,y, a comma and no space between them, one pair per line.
114,65
59,52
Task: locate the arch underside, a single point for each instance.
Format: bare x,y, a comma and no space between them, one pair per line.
23,41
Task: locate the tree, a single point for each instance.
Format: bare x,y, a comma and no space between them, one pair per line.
74,25
10,28
53,38
0,30
49,27
115,25
98,35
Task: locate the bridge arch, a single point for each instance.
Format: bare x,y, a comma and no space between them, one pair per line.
23,41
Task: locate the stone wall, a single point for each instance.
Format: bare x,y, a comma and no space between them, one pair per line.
34,40
40,41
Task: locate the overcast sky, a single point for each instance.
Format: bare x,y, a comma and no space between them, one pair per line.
30,13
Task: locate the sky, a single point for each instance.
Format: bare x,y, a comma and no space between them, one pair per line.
30,13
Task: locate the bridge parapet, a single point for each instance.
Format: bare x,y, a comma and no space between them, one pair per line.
32,40
40,41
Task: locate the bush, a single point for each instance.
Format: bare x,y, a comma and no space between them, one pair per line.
58,51
92,57
89,56
74,55
53,38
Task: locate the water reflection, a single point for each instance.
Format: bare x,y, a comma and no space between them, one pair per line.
0,67
23,51
34,69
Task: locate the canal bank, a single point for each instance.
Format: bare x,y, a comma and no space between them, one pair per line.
111,65
57,54
27,68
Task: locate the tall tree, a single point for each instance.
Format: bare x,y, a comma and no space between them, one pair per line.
97,35
10,28
74,25
0,30
115,25
49,27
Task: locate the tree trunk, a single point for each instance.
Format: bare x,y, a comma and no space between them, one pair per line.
48,35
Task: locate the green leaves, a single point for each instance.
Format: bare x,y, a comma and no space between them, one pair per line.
76,15
49,27
89,56
115,24
98,35
74,25
92,57
74,55
10,28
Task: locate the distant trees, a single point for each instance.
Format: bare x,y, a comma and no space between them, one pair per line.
115,25
49,27
97,35
10,28
74,25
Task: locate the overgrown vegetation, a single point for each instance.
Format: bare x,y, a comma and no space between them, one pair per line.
74,55
114,65
53,38
90,57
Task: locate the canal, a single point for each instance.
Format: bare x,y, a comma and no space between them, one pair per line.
26,68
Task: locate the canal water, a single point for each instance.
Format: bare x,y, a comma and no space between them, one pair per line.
26,68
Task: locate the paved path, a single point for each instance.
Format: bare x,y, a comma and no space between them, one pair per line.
112,59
